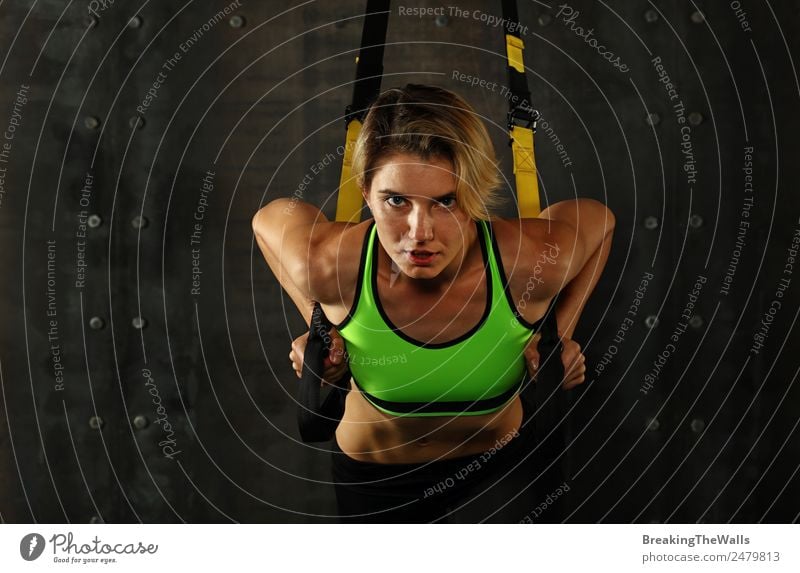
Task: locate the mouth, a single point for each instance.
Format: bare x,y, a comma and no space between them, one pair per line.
421,257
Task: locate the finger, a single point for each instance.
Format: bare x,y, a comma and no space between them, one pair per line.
575,383
578,368
532,357
337,350
576,379
329,362
572,361
576,363
296,364
334,375
533,370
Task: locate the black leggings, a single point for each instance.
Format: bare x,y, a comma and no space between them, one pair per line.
495,486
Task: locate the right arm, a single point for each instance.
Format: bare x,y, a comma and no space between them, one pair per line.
289,234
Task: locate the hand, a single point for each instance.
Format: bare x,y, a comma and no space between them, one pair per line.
335,364
571,357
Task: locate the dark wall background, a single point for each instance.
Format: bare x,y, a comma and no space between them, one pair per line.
250,107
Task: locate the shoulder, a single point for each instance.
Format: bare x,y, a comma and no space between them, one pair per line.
320,257
335,258
538,248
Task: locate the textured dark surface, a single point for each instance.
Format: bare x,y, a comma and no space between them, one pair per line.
259,105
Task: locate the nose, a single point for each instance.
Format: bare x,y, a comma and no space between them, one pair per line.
420,225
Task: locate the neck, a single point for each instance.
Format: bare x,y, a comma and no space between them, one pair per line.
467,261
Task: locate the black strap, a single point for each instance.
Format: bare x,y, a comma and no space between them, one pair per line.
520,103
551,369
369,69
318,421
549,348
549,403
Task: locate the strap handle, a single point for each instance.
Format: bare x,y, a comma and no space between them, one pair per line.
318,421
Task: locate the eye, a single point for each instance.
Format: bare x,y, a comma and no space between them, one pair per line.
448,202
399,202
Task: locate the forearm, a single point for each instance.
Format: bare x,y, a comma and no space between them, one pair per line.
573,297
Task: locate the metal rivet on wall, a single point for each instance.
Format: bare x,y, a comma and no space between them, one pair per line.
697,425
94,221
139,222
695,221
653,424
236,21
651,321
140,422
139,323
96,519
91,122
696,321
96,323
545,19
650,16
442,20
696,118
653,119
651,223
136,122
698,17
135,22
95,422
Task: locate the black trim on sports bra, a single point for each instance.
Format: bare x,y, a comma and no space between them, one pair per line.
507,286
466,335
444,406
361,267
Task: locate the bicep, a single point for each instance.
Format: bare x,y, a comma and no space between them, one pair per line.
288,234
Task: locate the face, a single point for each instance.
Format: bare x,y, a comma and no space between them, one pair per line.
418,221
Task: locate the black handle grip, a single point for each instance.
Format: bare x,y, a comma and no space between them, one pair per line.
317,422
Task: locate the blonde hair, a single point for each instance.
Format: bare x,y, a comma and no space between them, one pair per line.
432,122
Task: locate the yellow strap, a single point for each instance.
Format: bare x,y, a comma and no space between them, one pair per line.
349,201
514,47
522,146
525,171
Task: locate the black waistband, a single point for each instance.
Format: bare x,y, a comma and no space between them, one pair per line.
444,406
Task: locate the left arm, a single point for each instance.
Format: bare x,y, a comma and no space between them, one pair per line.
591,229
593,226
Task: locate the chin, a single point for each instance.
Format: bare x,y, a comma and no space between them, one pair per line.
422,272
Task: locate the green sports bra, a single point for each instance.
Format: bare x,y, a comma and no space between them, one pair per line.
476,373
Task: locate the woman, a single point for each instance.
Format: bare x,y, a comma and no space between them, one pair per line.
437,302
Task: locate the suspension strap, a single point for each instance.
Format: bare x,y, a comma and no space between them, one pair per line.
317,418
367,86
521,117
